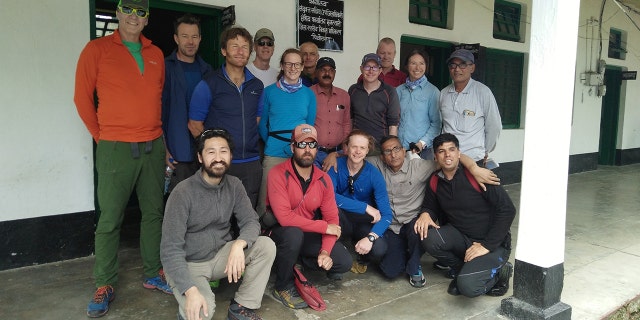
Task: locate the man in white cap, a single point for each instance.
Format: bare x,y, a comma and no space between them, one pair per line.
469,109
264,43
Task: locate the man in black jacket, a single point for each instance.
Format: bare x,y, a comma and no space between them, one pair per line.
472,235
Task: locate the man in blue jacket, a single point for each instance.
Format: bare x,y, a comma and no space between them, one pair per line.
183,70
228,98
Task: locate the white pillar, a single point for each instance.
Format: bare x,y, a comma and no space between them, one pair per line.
541,230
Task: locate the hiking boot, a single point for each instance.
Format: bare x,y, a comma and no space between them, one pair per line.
290,298
453,288
358,267
336,276
99,305
240,312
417,280
158,282
502,286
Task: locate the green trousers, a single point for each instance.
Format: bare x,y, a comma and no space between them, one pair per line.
120,170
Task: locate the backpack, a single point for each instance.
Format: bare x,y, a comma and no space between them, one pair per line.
433,181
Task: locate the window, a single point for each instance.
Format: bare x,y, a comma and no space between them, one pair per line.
616,44
503,75
106,23
428,12
506,20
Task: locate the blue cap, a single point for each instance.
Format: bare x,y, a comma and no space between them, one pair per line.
371,56
462,54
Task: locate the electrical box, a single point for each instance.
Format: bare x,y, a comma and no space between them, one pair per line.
593,79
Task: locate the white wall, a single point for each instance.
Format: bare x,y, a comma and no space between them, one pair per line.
46,151
587,105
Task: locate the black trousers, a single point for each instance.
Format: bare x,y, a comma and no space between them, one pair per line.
475,277
250,173
292,243
358,226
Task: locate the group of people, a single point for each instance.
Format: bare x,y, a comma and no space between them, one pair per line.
329,167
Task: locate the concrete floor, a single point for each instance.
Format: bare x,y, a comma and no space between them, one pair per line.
601,272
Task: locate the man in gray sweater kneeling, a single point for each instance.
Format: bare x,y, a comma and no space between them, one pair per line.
197,244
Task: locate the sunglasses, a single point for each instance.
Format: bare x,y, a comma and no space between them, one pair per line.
304,144
372,68
350,181
141,13
265,43
462,66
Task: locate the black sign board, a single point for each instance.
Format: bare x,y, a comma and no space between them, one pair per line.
228,17
629,75
321,22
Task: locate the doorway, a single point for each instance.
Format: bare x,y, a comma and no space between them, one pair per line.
160,27
610,113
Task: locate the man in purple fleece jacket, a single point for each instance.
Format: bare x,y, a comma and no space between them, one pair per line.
197,244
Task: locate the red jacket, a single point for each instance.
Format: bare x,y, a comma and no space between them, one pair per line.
293,209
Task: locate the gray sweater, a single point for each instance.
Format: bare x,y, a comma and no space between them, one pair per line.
197,223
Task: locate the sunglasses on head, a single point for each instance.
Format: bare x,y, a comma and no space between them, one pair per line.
213,132
141,13
265,43
304,144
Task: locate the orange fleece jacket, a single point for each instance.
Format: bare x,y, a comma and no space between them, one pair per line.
129,102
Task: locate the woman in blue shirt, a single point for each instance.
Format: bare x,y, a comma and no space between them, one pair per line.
419,113
285,104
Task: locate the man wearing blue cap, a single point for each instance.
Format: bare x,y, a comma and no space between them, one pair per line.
469,109
375,106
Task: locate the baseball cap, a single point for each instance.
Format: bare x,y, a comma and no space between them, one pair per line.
262,33
325,61
142,4
304,131
462,54
371,56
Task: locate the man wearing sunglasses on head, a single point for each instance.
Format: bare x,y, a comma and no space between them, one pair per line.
301,197
264,43
126,72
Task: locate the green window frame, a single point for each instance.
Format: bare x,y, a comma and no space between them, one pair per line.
503,75
506,20
616,45
429,12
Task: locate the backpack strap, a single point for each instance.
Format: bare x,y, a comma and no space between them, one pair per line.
433,181
472,180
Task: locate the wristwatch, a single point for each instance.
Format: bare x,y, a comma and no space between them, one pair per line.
371,238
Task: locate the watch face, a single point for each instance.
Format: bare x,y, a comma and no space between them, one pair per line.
371,238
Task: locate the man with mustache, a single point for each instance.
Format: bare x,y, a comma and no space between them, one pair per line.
301,198
333,112
197,243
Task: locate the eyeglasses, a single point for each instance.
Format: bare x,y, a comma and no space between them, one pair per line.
294,65
462,66
395,150
350,181
304,144
265,43
141,13
372,68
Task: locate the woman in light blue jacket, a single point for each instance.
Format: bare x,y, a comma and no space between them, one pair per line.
419,113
